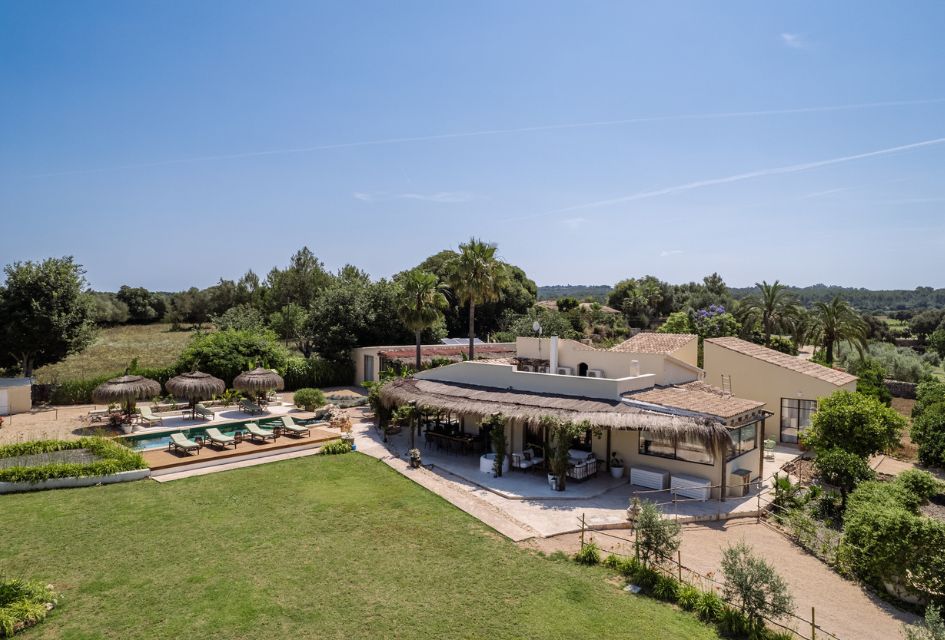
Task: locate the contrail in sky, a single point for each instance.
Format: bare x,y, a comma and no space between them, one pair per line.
738,177
495,132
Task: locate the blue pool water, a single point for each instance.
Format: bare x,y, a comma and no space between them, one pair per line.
147,441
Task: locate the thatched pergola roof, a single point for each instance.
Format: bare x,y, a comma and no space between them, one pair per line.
531,407
126,389
259,379
195,385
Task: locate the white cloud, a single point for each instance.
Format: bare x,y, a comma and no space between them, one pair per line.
794,40
443,197
574,223
670,252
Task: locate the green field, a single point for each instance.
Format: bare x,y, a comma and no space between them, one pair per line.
318,547
155,345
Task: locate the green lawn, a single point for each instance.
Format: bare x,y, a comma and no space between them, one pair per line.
155,345
319,547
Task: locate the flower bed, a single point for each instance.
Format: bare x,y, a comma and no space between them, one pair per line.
23,604
42,460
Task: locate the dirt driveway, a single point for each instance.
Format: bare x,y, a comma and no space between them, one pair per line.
843,607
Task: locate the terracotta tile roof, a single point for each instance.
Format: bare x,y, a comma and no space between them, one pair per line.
649,342
698,397
833,376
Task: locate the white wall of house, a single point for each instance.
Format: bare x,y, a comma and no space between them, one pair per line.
756,379
16,396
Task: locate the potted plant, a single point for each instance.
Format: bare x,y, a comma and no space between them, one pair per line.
414,458
616,465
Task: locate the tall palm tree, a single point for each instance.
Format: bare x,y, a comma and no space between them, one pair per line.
476,276
770,309
421,302
836,321
798,323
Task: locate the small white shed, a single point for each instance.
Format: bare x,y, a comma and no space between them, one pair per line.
16,395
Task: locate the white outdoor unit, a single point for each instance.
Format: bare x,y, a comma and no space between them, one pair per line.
649,478
595,373
543,370
691,486
565,371
526,367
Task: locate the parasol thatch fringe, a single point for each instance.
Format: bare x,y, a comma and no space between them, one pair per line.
195,385
259,379
530,408
126,388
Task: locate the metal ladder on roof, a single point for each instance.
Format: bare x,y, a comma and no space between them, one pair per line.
727,384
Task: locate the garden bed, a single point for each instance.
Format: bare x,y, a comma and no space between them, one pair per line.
23,604
55,463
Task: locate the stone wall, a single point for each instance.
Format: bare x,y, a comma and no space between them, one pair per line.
901,389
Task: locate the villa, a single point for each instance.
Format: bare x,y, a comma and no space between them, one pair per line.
669,427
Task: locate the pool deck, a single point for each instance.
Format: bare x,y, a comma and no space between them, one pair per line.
161,459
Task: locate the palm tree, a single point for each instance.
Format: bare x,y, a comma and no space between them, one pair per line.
421,302
771,308
476,276
835,321
798,323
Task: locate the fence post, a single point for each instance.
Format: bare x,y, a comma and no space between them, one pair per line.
679,563
758,518
582,532
813,625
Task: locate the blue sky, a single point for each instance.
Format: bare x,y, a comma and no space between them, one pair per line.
167,144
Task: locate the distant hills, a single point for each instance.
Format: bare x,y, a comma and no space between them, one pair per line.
598,292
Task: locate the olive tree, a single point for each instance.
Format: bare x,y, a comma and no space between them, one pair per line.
754,586
657,537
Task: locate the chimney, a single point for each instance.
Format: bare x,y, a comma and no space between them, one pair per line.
553,364
634,368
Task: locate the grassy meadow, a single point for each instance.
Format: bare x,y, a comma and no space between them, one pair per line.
317,547
155,345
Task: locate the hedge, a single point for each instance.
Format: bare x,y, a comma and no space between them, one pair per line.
300,373
114,458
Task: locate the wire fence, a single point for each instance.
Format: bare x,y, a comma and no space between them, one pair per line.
805,628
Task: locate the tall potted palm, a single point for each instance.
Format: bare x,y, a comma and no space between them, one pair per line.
421,303
476,276
770,308
834,322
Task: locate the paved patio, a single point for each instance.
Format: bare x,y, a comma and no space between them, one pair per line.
529,505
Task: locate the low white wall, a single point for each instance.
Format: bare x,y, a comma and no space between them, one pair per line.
504,376
69,483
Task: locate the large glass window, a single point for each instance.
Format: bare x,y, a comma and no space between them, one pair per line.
656,445
745,439
795,417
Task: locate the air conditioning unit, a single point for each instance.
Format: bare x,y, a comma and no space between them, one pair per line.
565,371
526,367
544,370
595,373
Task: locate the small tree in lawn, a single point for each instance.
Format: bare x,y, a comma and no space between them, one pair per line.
657,537
856,423
843,470
754,586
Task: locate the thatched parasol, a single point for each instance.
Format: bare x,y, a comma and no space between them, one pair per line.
195,386
126,390
259,381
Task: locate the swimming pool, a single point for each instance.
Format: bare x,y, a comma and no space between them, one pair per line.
149,441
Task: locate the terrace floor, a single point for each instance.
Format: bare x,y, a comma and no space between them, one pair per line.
522,505
162,459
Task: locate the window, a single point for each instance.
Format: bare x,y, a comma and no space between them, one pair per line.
652,444
745,439
795,417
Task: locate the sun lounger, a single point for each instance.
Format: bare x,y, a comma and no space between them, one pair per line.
202,412
250,407
255,433
290,428
148,417
179,442
220,440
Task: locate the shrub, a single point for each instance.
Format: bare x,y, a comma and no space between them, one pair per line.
928,431
872,381
843,470
309,399
315,371
733,623
335,448
710,607
885,539
589,554
77,391
856,423
113,458
22,603
688,597
931,628
665,588
225,354
754,585
657,538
